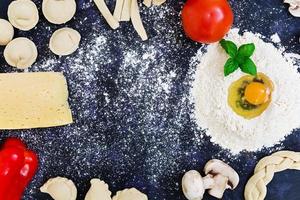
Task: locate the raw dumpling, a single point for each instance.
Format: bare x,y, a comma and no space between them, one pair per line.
21,53
60,188
98,191
130,194
64,41
23,14
6,32
59,11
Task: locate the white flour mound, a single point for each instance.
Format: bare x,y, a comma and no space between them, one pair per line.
210,90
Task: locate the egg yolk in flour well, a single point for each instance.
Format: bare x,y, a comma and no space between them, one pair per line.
250,96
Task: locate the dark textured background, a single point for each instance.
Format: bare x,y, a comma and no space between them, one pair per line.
145,142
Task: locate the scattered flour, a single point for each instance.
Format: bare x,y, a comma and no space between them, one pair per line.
275,38
210,90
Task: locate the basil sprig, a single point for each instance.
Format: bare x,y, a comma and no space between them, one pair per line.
239,58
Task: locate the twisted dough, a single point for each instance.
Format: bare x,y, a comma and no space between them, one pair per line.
256,188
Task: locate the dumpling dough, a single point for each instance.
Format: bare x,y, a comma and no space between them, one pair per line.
130,194
23,14
60,188
64,41
59,11
6,32
21,53
98,191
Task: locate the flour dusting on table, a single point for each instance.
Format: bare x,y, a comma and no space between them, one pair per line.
210,91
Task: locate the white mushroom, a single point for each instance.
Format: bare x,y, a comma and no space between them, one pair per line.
98,191
60,188
64,41
21,53
59,11
294,7
130,194
219,177
23,14
225,177
193,185
6,32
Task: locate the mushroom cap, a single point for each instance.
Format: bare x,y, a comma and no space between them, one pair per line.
192,185
218,167
294,8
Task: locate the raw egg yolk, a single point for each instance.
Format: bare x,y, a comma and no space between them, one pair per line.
257,93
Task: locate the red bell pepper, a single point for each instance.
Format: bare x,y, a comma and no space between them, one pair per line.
22,170
11,161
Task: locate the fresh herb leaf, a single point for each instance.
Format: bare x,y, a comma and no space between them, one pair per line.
246,50
230,66
239,58
230,48
249,67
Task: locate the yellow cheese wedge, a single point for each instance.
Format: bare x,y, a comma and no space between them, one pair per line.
33,100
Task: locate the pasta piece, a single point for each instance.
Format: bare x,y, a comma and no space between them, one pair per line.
136,20
125,16
118,9
147,3
158,2
112,22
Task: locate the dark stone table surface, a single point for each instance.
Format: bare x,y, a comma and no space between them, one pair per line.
134,125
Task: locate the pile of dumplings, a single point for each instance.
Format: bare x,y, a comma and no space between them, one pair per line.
61,188
21,52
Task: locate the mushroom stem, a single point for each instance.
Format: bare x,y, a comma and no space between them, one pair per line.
208,182
219,187
219,177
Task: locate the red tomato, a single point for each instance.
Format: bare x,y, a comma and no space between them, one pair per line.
207,21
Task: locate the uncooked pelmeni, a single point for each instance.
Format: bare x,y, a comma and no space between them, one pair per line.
60,188
64,41
98,191
59,11
21,53
130,194
23,14
6,32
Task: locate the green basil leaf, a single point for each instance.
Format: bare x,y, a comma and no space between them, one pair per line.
240,59
230,48
230,66
249,67
246,50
